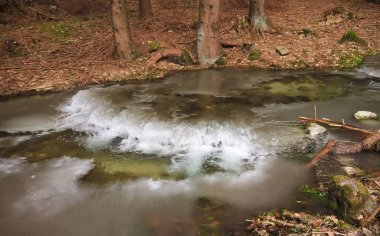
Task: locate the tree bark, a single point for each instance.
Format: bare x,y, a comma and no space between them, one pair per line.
124,47
208,37
258,19
145,9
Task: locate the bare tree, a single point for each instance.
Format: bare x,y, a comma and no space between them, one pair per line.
145,8
208,37
124,46
259,22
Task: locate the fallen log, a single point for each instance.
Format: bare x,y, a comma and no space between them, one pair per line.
372,142
351,148
334,124
326,150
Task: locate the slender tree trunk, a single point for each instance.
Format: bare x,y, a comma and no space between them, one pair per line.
124,47
145,8
259,22
208,45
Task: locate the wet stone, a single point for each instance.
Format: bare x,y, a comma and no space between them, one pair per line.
350,199
352,171
365,115
316,130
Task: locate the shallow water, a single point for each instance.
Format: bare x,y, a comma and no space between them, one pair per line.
195,153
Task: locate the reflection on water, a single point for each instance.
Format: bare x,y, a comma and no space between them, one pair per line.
49,196
195,153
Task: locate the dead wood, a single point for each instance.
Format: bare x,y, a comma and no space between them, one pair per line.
347,148
334,124
166,53
372,141
326,150
332,147
230,44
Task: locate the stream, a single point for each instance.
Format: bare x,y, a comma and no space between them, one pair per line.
195,153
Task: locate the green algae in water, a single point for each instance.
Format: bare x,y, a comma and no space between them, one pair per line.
108,166
302,89
52,145
121,167
321,196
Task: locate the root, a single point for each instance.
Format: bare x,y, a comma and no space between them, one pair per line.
230,44
169,52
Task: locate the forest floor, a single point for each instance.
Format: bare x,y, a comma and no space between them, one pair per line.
43,51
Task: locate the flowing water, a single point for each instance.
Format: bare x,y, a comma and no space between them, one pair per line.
194,153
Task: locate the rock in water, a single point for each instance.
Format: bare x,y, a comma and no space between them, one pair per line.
316,130
350,199
352,171
282,51
365,115
316,139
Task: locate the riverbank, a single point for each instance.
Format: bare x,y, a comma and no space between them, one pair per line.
48,51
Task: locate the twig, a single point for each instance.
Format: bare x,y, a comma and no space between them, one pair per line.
284,223
372,216
326,232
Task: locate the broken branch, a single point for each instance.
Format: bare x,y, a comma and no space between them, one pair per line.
326,150
230,44
334,124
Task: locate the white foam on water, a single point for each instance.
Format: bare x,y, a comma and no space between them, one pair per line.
372,71
190,144
52,185
10,166
371,66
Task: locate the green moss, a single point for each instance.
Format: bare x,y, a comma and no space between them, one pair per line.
352,36
350,60
221,61
19,52
348,197
59,30
254,54
153,46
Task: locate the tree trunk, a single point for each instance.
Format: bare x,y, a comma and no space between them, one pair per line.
208,45
145,9
121,30
259,22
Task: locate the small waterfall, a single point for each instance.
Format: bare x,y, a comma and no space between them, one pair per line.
128,129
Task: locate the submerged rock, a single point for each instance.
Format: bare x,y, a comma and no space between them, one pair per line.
307,145
365,115
350,199
352,171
